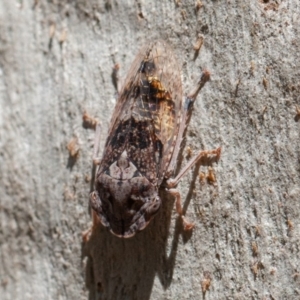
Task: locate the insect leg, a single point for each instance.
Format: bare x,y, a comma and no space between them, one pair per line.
185,118
86,235
204,157
186,224
95,220
96,158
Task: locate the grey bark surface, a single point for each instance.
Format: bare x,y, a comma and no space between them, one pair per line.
56,60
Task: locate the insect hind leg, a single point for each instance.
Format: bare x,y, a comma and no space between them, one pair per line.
186,224
205,158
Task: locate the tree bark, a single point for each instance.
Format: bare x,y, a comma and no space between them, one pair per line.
56,60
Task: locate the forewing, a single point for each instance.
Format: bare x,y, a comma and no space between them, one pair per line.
126,97
165,99
146,118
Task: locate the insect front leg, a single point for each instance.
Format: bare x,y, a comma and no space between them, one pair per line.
204,157
185,118
94,198
88,232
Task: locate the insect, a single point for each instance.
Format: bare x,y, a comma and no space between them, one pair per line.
143,143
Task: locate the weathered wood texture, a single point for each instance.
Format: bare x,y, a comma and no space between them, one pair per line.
56,60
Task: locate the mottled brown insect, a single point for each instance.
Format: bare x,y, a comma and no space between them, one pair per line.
143,143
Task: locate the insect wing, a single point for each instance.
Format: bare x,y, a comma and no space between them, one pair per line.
165,100
146,118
